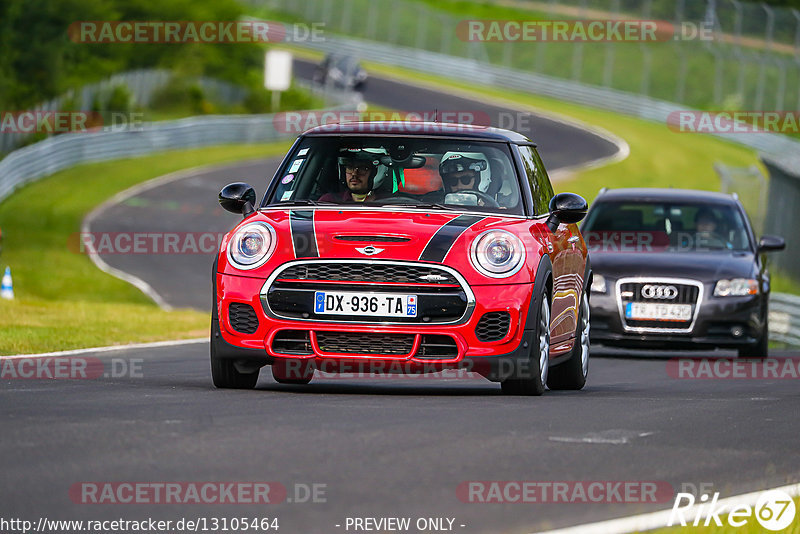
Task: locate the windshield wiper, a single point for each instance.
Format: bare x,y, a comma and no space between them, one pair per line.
305,202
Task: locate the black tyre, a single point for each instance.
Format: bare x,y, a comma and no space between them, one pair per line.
759,349
226,376
572,373
288,371
534,378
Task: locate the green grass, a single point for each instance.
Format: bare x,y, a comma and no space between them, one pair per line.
62,300
658,156
681,71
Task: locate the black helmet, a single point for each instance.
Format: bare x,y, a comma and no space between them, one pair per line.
354,157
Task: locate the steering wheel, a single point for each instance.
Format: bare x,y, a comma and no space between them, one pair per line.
400,199
487,200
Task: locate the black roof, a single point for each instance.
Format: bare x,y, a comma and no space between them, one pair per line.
420,129
645,194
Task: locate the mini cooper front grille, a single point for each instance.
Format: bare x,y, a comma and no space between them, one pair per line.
368,273
365,343
493,326
243,318
296,342
436,347
441,295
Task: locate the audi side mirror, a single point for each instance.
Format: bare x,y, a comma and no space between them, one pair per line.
238,197
771,243
567,208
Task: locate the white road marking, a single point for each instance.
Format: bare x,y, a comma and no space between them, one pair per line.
654,520
112,348
612,437
120,197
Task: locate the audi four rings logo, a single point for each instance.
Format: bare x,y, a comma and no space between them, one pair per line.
650,291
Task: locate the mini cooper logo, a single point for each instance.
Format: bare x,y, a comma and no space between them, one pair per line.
650,291
369,250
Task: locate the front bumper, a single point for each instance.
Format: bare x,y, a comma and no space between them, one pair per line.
722,322
388,347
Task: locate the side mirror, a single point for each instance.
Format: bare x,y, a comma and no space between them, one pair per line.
238,197
770,243
567,208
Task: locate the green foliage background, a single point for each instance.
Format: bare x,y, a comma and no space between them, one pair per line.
39,61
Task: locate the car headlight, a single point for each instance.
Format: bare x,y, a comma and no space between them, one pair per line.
599,284
738,287
497,253
251,245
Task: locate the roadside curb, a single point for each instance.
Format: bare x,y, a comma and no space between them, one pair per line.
659,520
110,348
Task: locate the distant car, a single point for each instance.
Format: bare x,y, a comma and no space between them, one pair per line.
342,71
677,269
394,247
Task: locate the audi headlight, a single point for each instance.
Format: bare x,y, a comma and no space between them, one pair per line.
497,253
598,284
251,245
738,287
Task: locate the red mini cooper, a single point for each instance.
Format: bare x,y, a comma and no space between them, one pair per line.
413,247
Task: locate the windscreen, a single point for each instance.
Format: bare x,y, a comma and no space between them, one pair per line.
398,171
660,226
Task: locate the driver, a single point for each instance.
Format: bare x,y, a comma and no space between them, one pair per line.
358,170
461,173
708,227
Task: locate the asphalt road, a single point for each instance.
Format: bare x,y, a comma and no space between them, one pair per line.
190,205
385,447
379,447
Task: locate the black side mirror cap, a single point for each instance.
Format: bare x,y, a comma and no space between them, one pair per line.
770,243
238,197
567,208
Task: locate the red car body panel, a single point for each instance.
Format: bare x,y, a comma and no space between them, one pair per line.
512,294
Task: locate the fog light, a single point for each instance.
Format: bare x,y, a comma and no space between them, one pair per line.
737,331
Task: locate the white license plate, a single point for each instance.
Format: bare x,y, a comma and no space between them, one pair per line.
369,304
658,312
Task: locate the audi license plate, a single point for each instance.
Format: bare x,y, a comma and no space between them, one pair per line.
658,312
370,304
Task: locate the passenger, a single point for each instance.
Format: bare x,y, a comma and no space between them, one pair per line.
461,173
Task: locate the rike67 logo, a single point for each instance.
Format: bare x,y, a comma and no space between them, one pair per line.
774,510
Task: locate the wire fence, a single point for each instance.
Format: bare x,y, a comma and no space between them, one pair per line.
711,54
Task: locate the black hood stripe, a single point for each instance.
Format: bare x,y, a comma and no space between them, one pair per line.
304,239
444,238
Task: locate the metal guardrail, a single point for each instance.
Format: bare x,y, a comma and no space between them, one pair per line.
141,84
784,318
774,145
46,157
